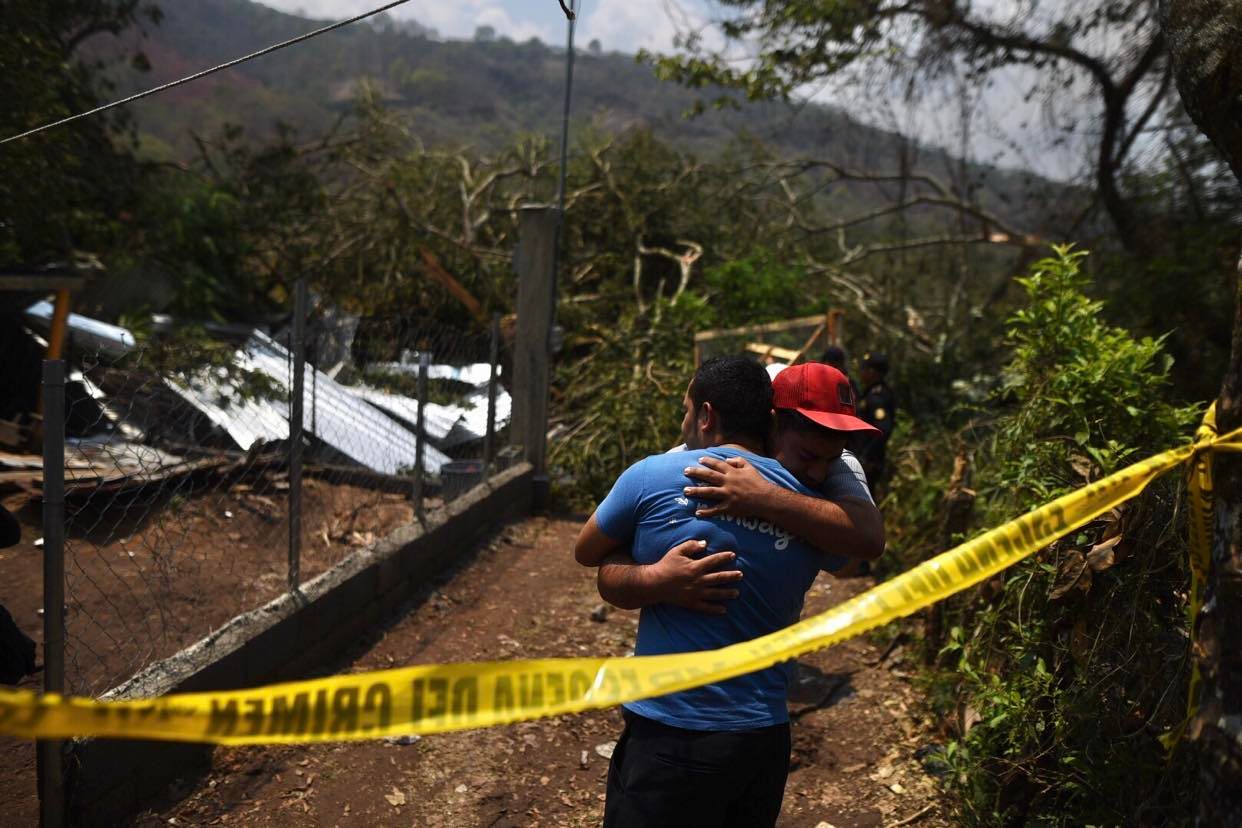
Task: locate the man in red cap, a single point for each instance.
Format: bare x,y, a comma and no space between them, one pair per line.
719,754
816,415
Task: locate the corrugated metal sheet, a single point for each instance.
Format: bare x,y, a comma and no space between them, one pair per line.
245,420
448,425
349,420
475,374
341,418
451,425
439,420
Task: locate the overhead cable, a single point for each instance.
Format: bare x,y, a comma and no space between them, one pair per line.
206,72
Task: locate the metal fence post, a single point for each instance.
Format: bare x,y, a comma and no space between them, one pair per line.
51,762
424,362
489,438
298,346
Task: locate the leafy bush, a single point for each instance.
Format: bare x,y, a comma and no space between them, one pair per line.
1058,677
752,290
1089,394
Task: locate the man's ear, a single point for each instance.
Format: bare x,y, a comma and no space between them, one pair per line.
707,418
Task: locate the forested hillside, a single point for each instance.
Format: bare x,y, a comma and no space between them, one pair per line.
480,94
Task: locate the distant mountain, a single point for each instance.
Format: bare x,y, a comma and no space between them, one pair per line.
467,93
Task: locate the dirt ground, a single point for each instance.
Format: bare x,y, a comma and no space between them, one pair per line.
146,577
856,728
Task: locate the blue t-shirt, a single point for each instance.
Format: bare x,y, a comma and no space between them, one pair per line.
648,510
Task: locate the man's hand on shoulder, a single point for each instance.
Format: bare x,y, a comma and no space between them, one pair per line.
850,526
734,485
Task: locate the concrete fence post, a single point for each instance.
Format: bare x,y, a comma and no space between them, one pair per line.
532,350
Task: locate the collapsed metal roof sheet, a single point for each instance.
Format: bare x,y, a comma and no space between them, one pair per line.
348,419
476,374
451,425
339,417
438,421
245,419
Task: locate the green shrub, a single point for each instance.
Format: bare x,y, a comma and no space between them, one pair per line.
1058,677
754,289
1089,395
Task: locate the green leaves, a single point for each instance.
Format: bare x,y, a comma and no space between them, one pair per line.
755,289
62,190
1079,381
1071,668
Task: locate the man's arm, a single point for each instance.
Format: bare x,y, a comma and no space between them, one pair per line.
677,578
593,546
848,526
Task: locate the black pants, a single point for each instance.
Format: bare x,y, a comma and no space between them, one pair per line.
666,776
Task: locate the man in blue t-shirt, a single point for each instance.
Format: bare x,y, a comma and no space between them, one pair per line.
716,754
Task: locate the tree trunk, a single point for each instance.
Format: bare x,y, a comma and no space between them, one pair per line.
1217,730
1204,39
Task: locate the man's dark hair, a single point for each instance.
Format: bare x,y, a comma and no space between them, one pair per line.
740,392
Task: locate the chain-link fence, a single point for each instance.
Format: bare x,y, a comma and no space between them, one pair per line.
196,487
405,378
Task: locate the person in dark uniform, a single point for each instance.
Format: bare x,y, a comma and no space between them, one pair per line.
878,407
834,355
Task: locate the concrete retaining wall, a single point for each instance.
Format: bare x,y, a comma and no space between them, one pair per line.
290,637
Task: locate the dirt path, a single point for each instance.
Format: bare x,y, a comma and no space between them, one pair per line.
855,730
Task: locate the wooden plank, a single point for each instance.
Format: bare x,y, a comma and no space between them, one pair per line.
773,351
810,341
767,327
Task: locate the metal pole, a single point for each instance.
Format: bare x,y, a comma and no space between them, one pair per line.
298,346
489,438
51,764
424,362
314,355
569,85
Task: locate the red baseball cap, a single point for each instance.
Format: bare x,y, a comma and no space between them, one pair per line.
820,393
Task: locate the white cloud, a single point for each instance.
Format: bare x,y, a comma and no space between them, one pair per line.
461,18
504,24
630,25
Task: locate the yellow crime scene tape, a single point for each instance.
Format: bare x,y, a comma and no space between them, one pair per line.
436,698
